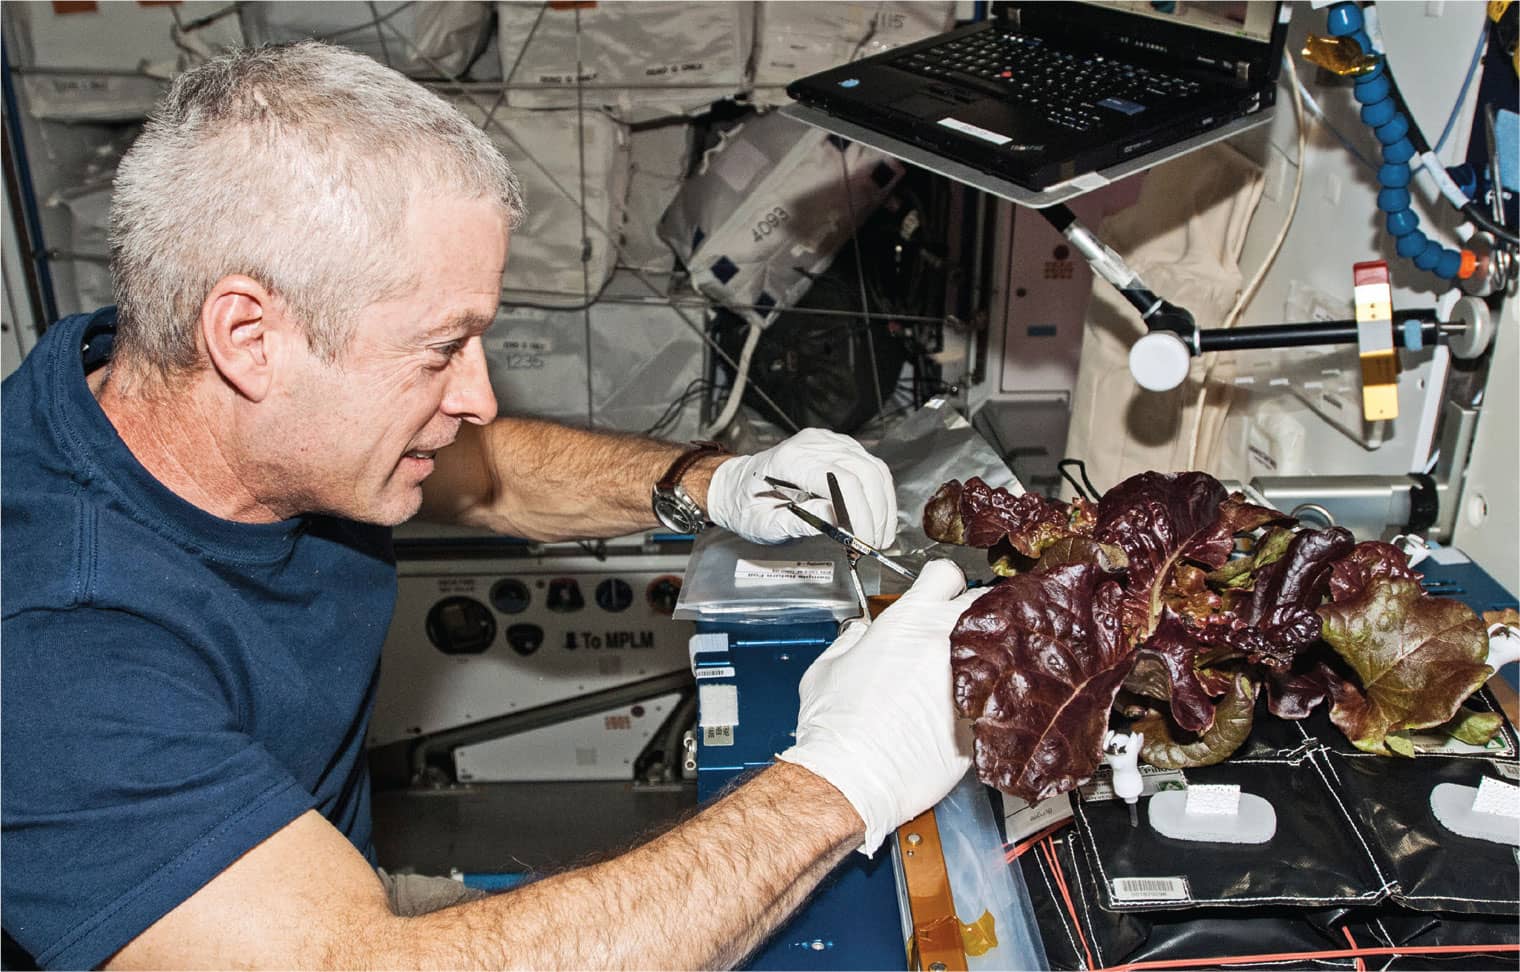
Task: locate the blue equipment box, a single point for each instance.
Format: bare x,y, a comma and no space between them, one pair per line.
852,921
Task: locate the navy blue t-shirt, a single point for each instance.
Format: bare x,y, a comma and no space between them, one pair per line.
176,687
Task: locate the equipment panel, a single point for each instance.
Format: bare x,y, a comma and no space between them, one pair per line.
477,639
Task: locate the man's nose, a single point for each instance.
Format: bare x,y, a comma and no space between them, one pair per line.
469,396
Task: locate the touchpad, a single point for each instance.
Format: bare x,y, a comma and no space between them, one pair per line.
927,106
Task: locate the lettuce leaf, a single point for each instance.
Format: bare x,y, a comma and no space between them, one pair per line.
1037,662
1083,550
1175,649
1416,657
1294,696
1161,521
1167,748
1286,592
1473,728
1367,561
976,515
1241,572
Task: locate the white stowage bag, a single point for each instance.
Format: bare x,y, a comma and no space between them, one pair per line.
546,149
768,210
84,282
425,40
112,38
642,358
645,59
659,159
793,40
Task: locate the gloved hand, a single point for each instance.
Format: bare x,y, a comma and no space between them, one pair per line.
878,718
735,501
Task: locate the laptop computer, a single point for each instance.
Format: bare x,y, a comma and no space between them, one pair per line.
1047,91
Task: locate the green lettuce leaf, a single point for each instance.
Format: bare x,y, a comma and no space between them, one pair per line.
1417,658
1169,748
1473,728
1241,572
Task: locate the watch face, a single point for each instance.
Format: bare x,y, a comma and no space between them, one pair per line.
683,517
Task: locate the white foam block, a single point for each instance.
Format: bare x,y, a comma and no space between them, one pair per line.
1452,803
1497,797
1215,798
1254,822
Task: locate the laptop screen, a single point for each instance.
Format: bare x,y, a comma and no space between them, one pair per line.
1237,18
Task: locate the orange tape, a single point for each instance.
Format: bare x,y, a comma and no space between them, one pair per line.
936,929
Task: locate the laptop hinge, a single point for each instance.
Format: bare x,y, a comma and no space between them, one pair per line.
1243,70
1016,18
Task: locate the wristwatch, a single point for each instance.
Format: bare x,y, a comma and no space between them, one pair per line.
673,506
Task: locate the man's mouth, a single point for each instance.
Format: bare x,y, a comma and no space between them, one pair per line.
421,454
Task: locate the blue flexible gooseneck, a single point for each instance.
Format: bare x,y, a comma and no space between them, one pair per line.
1380,112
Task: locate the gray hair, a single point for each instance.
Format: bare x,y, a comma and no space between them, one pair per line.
295,165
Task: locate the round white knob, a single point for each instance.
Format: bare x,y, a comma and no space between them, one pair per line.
1159,361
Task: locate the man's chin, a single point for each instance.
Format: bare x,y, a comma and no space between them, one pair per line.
393,510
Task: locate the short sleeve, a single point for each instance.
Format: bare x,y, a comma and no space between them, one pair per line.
128,782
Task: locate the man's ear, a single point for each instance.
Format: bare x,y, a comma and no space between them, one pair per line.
245,329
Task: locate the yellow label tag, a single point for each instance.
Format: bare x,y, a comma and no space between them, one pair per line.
1380,386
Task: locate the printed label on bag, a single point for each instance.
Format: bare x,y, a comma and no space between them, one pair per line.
1024,820
762,573
1510,771
1150,889
1439,742
724,672
1152,780
717,735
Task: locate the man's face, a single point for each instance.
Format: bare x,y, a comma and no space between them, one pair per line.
364,429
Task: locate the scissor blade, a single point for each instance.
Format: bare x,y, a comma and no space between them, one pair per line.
852,543
827,529
841,514
890,564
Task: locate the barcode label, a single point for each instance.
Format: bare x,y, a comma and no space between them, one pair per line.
717,735
1150,889
726,671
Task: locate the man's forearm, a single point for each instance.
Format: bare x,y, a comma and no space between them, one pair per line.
700,896
543,481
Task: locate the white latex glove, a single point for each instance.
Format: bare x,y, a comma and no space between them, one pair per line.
878,719
739,498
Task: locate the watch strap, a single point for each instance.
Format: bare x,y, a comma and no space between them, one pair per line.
684,462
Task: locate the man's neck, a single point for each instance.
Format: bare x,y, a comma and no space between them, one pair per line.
174,434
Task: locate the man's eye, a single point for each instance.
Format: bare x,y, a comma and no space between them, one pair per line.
448,350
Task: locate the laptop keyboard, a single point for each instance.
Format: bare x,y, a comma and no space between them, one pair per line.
1074,90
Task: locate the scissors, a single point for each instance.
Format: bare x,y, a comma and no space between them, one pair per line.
843,534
